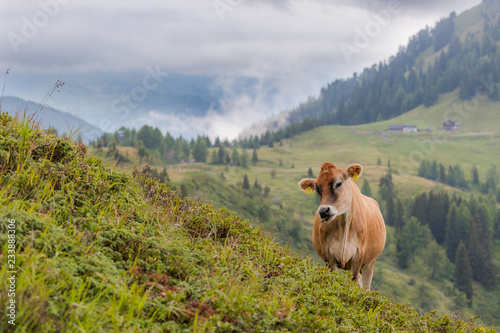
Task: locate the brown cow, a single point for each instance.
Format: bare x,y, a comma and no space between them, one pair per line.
349,230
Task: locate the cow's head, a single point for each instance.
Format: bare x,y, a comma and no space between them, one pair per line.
334,189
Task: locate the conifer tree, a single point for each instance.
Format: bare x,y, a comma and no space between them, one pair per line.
164,178
387,181
452,177
266,191
246,183
200,150
183,191
438,261
437,210
442,174
451,237
257,186
390,209
255,159
399,221
434,171
112,148
479,249
475,176
221,155
463,272
217,142
310,173
215,157
235,157
244,159
492,180
419,208
413,236
366,189
464,220
424,169
477,254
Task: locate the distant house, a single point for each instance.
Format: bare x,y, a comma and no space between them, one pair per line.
450,125
402,128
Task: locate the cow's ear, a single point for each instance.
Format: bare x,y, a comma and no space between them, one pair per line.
354,171
307,185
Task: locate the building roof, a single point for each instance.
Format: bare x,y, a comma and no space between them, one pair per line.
399,127
449,122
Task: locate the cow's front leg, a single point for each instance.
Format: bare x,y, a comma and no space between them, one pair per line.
332,264
356,269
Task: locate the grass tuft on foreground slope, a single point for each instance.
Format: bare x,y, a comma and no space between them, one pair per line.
101,251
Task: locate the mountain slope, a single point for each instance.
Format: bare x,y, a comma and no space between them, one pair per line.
132,99
99,250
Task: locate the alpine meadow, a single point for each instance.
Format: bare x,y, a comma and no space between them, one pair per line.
140,230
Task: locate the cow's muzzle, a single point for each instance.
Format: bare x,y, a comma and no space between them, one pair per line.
325,213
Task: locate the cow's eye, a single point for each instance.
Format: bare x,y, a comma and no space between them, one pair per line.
338,185
318,191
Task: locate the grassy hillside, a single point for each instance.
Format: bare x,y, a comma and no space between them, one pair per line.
98,250
476,116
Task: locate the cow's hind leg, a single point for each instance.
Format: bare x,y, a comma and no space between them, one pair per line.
368,275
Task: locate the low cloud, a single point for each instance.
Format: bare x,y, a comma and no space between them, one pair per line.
255,38
241,106
290,47
416,7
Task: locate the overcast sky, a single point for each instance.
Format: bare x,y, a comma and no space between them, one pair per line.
298,45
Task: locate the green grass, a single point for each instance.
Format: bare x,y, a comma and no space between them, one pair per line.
103,251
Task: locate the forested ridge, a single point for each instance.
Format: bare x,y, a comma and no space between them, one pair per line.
436,60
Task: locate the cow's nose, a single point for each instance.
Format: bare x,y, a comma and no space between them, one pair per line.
324,212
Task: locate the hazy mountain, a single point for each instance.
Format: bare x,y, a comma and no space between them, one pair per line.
165,100
63,122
